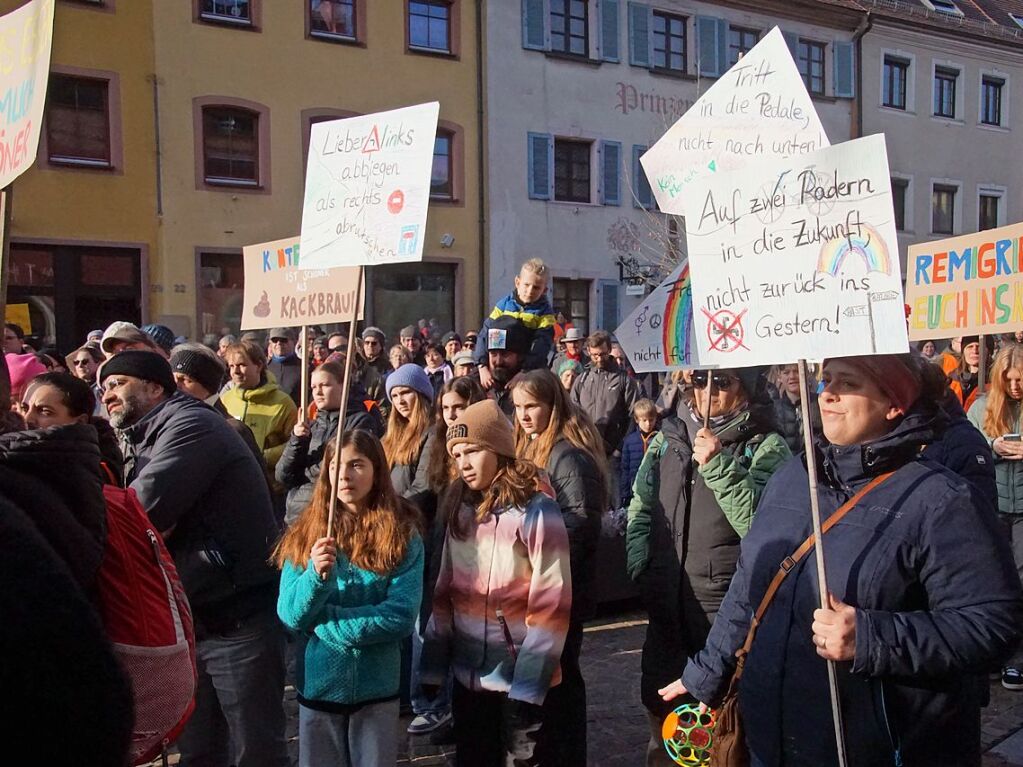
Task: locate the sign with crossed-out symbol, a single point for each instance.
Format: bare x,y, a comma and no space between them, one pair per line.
725,331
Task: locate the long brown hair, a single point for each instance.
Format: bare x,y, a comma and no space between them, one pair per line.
441,471
567,421
375,538
998,418
404,436
515,483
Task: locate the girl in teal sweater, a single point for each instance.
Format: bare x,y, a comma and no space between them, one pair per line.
352,597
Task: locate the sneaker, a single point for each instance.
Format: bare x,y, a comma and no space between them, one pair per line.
1012,678
433,720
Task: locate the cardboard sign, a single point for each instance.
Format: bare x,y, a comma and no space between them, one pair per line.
797,259
368,188
966,285
19,315
658,335
759,109
281,292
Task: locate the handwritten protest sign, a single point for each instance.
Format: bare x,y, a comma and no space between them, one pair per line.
280,292
368,188
757,110
797,259
966,285
658,334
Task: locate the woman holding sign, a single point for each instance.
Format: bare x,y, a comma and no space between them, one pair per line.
924,600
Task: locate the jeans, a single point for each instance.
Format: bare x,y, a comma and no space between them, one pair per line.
420,703
492,730
364,738
239,713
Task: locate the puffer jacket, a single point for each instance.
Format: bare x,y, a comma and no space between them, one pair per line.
607,396
789,417
938,603
685,523
633,449
960,447
268,412
1008,474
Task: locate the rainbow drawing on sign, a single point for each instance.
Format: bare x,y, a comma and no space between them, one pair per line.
678,316
867,244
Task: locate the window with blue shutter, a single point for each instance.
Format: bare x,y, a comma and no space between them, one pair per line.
534,25
642,197
541,163
712,45
639,34
845,68
609,310
609,30
792,41
610,173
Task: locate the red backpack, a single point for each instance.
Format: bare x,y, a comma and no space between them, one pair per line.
148,621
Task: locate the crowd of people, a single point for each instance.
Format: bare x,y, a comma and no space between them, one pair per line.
443,553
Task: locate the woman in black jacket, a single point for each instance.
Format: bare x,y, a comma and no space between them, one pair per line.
924,601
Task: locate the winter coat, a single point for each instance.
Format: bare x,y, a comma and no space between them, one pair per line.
937,597
633,449
268,411
513,561
685,524
438,378
350,627
580,491
1008,474
538,317
607,397
965,388
789,417
110,451
410,480
288,375
961,448
203,489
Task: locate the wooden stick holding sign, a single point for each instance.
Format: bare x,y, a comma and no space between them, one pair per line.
345,386
303,406
982,369
822,578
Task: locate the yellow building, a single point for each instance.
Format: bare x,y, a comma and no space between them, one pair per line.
214,146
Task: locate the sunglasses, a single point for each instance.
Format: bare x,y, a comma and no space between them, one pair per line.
79,363
720,380
336,349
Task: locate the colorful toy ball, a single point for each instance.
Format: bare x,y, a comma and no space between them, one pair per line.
688,735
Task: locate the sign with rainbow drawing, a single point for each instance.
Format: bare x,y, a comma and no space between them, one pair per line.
966,285
658,334
797,259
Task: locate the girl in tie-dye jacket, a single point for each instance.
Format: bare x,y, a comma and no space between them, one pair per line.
503,597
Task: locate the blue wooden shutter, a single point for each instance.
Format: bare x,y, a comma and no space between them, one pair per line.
609,30
610,172
642,196
792,41
541,165
845,67
609,305
639,34
534,25
712,45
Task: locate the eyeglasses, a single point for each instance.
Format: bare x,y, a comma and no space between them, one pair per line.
279,340
113,383
720,380
371,342
336,349
82,362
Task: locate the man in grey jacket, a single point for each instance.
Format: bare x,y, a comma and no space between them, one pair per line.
206,494
605,392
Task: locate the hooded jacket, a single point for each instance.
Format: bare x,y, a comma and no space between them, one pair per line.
937,598
607,396
268,412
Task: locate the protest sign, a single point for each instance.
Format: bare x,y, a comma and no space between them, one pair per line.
19,315
658,334
966,285
280,292
757,110
797,259
368,188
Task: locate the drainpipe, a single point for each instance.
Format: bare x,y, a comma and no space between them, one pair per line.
156,135
480,161
864,26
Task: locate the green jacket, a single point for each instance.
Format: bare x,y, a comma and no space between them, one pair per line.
1008,474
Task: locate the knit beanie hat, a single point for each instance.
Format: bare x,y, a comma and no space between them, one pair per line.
374,332
149,366
891,372
483,424
162,335
206,369
23,368
569,365
412,376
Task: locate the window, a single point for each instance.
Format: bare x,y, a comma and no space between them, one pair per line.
945,92
78,121
943,200
669,42
429,25
569,23
900,188
571,170
397,292
991,100
230,138
943,6
226,11
333,19
895,77
441,177
572,299
221,277
987,211
741,42
811,66
1018,19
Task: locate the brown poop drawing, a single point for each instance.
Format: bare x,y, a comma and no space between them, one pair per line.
262,309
